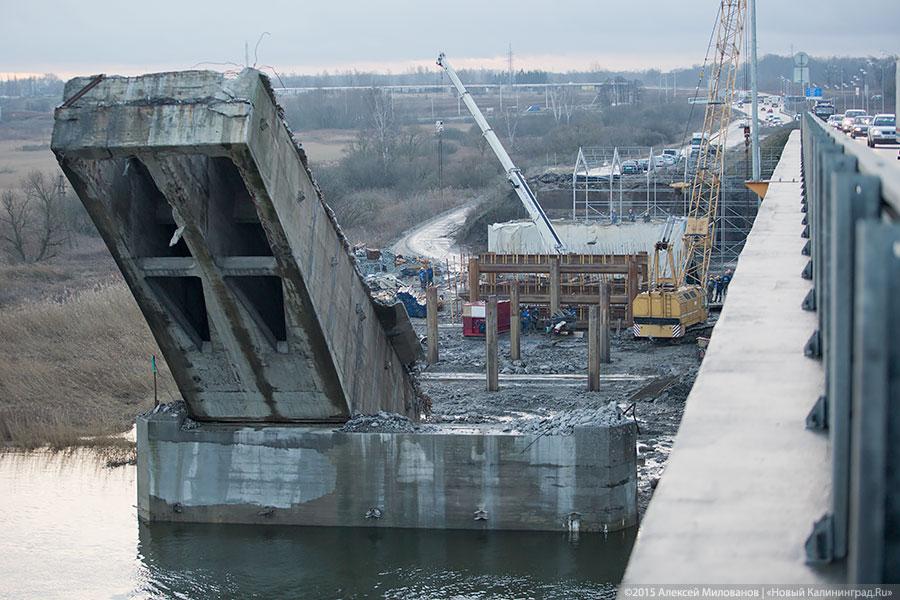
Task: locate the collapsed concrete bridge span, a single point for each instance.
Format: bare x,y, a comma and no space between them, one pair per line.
211,213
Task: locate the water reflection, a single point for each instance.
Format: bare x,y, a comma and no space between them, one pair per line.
206,561
68,529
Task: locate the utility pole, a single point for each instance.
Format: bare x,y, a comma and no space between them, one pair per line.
439,131
754,93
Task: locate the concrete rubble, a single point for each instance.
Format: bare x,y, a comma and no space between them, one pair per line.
382,422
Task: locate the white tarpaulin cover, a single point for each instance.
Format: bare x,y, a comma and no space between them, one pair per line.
522,237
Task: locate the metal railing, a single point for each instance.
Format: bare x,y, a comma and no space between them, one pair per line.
851,202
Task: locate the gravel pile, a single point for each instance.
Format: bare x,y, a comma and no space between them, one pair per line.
383,422
564,423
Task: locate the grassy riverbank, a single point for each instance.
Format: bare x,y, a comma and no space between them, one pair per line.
75,367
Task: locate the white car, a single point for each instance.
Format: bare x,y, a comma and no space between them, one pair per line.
882,130
663,160
835,121
849,119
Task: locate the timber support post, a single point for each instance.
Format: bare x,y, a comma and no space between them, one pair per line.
594,344
515,322
431,316
474,276
554,285
490,338
603,323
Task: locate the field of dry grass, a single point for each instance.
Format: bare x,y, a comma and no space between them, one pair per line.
16,162
325,146
75,367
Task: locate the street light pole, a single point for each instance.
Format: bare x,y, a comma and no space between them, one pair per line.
754,93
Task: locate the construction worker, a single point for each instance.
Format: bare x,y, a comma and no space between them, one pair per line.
718,297
423,278
631,217
526,319
726,279
710,289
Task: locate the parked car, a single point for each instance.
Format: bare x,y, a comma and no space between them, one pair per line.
849,115
860,127
835,121
882,130
672,152
630,167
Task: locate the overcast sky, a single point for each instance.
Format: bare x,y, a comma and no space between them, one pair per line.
71,37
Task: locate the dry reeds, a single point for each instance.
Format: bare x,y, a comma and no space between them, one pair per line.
75,367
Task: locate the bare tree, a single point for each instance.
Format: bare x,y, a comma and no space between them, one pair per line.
32,223
381,120
15,219
49,227
511,116
562,102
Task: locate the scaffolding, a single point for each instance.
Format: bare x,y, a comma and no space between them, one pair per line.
607,180
602,191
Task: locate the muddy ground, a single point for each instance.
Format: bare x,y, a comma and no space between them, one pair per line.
653,376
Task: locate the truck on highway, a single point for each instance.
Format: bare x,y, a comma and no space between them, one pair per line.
823,109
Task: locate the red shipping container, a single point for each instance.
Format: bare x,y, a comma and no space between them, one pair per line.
473,318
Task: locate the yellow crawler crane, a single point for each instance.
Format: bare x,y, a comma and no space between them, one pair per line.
676,298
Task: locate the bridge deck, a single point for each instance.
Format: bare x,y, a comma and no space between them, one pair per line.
745,478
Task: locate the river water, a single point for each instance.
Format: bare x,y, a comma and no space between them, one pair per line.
69,529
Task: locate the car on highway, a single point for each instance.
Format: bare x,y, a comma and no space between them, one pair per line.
630,167
835,121
672,152
860,127
882,130
644,164
849,115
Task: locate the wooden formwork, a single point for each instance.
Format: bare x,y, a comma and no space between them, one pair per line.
557,280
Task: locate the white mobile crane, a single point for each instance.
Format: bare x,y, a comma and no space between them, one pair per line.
551,239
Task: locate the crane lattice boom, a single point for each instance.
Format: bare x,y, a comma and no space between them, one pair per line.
710,167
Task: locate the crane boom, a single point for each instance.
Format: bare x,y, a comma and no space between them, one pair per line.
672,304
706,186
513,174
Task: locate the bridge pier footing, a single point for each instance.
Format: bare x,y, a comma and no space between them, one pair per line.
449,479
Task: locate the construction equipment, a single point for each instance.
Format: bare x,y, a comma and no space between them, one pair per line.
551,239
674,302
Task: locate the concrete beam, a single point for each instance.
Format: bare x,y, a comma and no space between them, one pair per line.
207,205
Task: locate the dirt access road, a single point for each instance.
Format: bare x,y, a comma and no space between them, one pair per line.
434,238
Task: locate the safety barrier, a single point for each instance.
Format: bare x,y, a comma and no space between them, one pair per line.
851,202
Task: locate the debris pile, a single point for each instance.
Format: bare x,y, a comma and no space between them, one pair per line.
564,423
383,422
392,277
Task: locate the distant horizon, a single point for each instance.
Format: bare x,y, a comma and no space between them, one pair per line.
552,64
